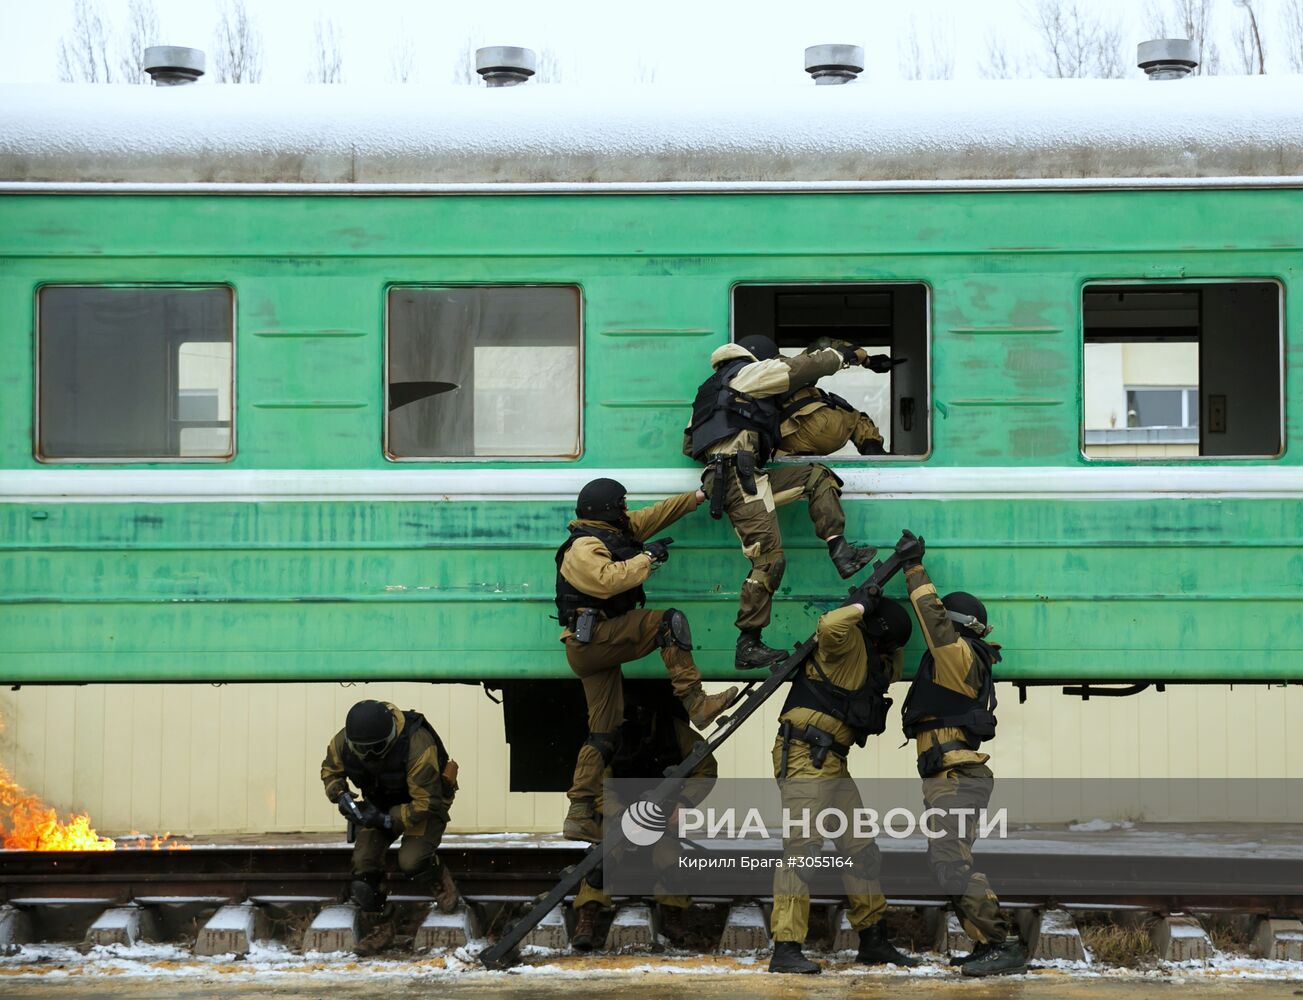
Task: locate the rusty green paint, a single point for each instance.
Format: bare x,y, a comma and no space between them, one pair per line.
1145,589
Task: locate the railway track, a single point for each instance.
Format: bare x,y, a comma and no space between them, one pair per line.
284,892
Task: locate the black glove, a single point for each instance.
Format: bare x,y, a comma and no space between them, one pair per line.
375,819
910,548
872,448
855,356
344,810
659,550
882,363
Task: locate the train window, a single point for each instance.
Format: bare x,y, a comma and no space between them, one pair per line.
1182,370
885,318
484,372
134,373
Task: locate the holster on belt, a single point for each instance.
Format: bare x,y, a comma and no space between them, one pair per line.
746,472
719,484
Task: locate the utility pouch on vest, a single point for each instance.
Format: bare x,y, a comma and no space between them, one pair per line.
449,776
932,760
718,485
584,622
746,472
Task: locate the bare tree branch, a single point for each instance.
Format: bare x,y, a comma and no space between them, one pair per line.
550,68
1190,19
402,61
238,46
645,72
142,32
936,63
997,63
1077,43
84,52
1248,40
328,58
1292,14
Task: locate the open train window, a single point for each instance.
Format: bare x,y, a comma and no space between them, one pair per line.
884,317
1182,370
134,373
484,372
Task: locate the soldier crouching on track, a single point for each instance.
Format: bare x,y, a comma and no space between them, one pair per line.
817,422
397,762
949,711
734,431
837,700
601,568
655,736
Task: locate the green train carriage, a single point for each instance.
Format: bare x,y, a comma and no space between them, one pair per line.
301,383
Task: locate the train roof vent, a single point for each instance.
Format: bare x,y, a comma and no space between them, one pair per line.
1167,58
834,63
505,65
170,65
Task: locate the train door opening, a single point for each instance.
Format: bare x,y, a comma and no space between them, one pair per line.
1182,370
884,318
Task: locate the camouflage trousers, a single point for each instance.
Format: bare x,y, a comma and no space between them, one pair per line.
827,430
597,664
810,791
964,786
755,520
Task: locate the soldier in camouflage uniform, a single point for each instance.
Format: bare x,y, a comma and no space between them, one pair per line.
655,736
399,765
734,431
949,712
600,601
838,700
817,422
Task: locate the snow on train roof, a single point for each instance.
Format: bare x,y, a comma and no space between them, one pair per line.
1012,132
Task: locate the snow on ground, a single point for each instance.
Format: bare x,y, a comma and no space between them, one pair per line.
150,961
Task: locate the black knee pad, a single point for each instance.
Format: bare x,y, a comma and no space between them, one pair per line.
776,574
606,744
866,863
594,878
674,630
367,894
952,876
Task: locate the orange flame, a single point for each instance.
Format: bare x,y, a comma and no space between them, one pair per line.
28,824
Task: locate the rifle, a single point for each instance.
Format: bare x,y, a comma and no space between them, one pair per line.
754,695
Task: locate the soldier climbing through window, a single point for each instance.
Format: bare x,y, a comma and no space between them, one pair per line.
817,422
734,431
601,569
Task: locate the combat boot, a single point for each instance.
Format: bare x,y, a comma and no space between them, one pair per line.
581,822
584,937
877,949
703,708
979,951
850,559
1003,959
751,652
787,957
446,896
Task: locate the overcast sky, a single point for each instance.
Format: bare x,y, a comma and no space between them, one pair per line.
596,41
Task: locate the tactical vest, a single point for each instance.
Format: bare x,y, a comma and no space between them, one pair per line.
385,785
799,399
947,708
719,412
569,598
862,709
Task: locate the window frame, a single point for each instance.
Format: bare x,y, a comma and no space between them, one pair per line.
227,286
581,366
928,301
1154,281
